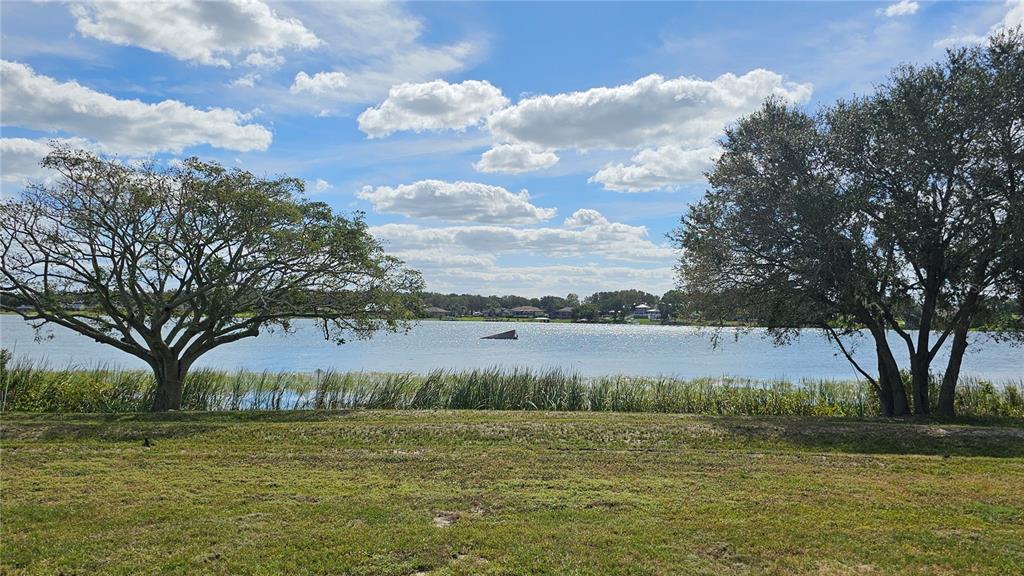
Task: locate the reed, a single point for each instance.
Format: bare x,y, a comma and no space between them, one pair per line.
34,387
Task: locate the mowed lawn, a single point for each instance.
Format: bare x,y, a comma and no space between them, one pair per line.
464,492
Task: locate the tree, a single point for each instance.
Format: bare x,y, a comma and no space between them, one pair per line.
777,242
183,259
620,303
937,153
901,207
672,304
551,304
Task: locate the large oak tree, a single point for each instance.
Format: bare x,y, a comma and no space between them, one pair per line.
176,261
899,213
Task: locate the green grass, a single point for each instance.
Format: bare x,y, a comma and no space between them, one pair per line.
485,492
30,387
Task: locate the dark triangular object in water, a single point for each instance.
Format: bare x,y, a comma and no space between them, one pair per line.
510,335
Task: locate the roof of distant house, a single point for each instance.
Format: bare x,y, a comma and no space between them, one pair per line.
435,309
526,309
566,309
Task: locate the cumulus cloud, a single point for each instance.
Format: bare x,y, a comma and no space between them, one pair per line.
19,159
321,83
515,159
261,60
441,258
590,253
477,275
321,185
901,8
381,45
435,105
195,31
1013,17
246,81
593,237
38,102
373,79
456,201
651,110
585,217
662,168
672,121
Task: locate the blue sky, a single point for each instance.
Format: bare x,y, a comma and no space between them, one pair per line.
529,148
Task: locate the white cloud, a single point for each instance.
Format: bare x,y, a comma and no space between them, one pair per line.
901,8
38,102
442,258
373,79
585,217
462,275
380,46
261,60
195,31
662,168
20,157
435,105
321,185
1013,17
675,121
319,84
246,81
456,201
588,236
651,110
515,159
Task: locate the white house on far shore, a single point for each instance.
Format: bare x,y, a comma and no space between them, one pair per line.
645,312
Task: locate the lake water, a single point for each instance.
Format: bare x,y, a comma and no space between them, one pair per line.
590,349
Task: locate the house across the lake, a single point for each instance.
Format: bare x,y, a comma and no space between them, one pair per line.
526,312
645,312
435,312
564,312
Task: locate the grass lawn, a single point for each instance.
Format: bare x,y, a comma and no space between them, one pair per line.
463,492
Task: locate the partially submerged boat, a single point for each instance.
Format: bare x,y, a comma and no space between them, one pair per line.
509,335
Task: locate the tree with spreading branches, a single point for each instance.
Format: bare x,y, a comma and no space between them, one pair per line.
174,261
900,214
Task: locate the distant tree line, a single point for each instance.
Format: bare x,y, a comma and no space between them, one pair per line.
616,304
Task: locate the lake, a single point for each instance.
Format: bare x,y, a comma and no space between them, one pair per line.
590,349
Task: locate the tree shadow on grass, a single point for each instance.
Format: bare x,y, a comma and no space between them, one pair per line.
142,425
881,436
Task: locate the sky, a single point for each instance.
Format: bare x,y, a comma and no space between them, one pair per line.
499,148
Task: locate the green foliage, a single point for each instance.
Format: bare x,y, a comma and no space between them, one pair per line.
185,258
900,209
30,387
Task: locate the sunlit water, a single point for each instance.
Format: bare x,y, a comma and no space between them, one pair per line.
589,349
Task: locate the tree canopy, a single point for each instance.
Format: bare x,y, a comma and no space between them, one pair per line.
900,208
186,258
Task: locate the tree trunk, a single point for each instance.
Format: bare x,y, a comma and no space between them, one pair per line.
170,378
885,393
919,382
947,394
891,394
890,372
919,357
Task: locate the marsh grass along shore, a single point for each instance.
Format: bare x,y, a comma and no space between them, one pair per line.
35,387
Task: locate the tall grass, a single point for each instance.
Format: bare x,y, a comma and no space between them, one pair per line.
34,387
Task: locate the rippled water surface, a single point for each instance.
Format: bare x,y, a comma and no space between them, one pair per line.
590,349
